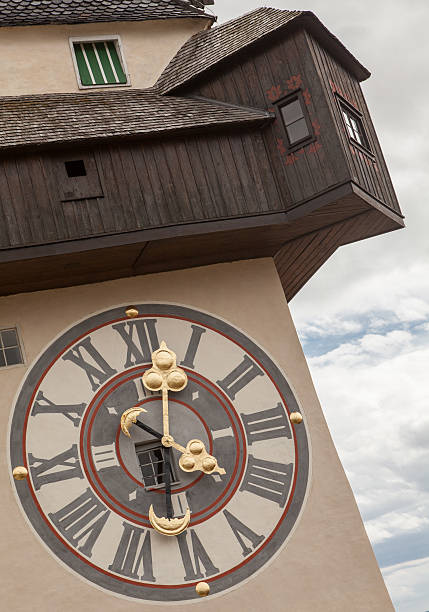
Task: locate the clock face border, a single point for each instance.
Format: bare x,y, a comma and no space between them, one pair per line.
233,578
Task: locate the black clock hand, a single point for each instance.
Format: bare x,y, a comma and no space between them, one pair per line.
167,463
154,433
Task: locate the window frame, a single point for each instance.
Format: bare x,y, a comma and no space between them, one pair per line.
303,142
345,106
149,445
88,39
23,363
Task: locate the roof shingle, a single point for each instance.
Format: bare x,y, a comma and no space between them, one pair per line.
50,118
208,48
43,12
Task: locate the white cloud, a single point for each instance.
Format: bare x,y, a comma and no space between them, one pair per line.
391,524
408,585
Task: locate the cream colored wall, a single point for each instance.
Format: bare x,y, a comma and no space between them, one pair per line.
327,565
37,59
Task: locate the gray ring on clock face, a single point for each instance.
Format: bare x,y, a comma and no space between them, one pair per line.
68,557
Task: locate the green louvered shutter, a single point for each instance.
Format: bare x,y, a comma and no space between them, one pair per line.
98,63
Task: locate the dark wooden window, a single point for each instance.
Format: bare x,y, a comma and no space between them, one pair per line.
152,464
10,350
354,125
295,120
75,177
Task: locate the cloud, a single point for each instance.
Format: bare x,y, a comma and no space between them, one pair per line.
408,585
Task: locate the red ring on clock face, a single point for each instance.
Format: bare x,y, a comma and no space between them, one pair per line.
133,515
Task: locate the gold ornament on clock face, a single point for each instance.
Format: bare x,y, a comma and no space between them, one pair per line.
162,461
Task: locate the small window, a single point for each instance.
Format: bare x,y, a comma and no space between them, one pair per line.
151,459
99,62
75,168
354,126
10,351
295,121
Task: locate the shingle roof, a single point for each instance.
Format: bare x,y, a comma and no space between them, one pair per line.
206,49
50,118
39,12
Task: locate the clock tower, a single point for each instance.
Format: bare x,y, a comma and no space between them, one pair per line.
167,186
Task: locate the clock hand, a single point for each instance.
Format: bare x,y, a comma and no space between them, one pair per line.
154,433
197,458
194,457
167,461
164,376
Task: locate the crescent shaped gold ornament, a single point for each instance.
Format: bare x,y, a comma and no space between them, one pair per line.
129,417
169,527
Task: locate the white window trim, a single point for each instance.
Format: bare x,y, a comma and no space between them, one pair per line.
85,39
21,346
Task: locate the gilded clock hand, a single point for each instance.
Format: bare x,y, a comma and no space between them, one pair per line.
164,375
194,456
129,417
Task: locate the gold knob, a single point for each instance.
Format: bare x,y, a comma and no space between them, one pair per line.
153,381
209,464
202,589
132,312
20,472
164,360
196,447
295,417
188,463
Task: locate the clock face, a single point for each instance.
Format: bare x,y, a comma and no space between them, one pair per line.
90,487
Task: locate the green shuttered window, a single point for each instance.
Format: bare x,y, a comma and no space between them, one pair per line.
99,63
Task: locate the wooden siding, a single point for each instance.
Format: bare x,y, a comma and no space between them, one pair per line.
271,72
144,184
299,259
263,77
299,244
368,171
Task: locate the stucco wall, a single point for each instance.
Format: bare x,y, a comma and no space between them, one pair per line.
327,565
37,59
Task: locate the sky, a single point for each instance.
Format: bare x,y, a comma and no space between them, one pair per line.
363,319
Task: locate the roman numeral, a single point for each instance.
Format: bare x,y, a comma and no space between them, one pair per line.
81,519
146,337
133,557
240,529
266,424
43,472
268,479
105,456
241,376
193,345
200,556
100,374
43,405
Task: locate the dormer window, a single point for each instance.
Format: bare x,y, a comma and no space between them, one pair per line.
354,125
296,121
99,62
